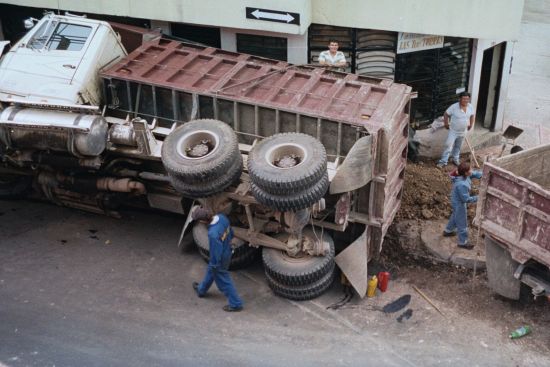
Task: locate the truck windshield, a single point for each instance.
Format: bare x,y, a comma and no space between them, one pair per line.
53,35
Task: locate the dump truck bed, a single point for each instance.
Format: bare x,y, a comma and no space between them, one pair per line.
514,203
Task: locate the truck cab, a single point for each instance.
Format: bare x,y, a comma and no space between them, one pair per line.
58,61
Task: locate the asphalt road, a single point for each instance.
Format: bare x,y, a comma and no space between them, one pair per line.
78,289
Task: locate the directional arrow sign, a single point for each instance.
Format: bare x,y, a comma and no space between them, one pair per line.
273,16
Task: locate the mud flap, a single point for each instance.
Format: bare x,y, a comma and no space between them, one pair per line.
188,220
356,170
500,270
353,263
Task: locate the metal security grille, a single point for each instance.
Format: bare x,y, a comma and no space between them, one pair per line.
368,52
270,47
437,75
205,35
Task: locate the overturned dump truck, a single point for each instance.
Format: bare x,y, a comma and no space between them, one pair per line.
306,162
514,213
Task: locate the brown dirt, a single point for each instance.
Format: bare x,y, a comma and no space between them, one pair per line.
427,191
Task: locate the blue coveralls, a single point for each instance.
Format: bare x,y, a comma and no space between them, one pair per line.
460,196
219,241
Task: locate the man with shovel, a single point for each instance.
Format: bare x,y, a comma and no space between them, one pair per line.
461,115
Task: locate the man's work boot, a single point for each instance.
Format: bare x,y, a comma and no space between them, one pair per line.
228,308
448,234
196,288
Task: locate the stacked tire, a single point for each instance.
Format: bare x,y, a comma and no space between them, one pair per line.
288,171
243,254
301,278
202,158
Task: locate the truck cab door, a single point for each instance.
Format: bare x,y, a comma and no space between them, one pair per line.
48,57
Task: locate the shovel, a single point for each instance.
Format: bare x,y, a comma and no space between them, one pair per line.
509,137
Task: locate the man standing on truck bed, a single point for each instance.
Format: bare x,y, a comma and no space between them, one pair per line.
332,57
460,197
461,114
220,235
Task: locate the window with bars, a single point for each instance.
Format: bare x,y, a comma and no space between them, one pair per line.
264,46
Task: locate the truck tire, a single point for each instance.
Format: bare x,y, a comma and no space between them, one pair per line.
243,254
301,271
14,186
305,156
213,187
302,292
295,201
500,270
182,151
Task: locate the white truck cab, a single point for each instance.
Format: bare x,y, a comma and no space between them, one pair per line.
58,62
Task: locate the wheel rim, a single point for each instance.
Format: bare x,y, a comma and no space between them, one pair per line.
197,144
286,156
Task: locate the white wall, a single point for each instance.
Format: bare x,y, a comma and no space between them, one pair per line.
464,18
296,44
217,13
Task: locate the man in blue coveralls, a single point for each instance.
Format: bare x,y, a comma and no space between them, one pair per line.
460,197
219,241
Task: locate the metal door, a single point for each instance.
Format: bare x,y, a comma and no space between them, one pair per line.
438,76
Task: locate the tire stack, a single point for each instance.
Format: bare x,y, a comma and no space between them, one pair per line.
243,254
202,158
288,171
301,278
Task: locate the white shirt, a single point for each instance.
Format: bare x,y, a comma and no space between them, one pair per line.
327,57
459,119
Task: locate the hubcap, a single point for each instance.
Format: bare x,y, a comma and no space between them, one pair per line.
197,144
285,156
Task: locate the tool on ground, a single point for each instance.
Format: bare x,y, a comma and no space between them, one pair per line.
428,300
348,296
391,307
371,286
472,151
509,136
397,305
522,331
405,315
383,280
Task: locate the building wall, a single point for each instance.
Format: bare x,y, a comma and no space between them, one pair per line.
486,19
527,103
464,18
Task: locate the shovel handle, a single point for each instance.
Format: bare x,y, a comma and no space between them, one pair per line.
472,151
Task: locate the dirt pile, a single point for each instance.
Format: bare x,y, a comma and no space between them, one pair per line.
426,193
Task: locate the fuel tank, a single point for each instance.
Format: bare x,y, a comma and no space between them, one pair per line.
32,128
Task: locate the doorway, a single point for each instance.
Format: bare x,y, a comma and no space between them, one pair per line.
489,86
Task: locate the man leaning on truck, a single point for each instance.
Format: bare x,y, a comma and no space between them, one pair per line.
332,57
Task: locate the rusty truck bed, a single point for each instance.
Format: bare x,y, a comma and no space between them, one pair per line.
514,203
175,82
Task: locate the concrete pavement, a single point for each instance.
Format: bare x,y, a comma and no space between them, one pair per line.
78,289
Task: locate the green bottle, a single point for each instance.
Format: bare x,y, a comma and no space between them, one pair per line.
518,333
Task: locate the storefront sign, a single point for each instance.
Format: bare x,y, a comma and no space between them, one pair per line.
411,42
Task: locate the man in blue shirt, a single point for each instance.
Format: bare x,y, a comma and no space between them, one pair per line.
220,235
461,115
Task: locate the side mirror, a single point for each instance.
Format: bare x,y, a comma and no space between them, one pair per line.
29,23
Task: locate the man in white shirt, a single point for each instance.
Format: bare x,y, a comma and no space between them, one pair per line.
461,115
332,57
